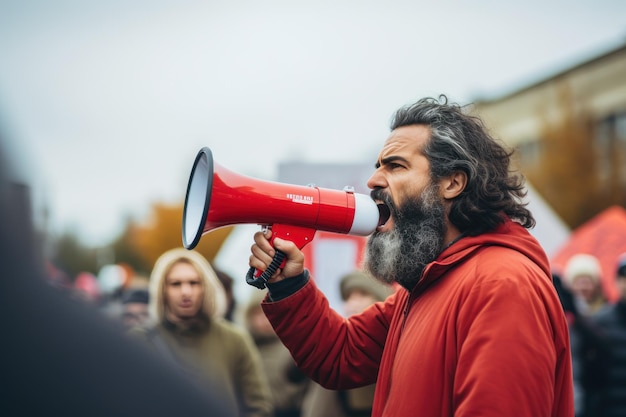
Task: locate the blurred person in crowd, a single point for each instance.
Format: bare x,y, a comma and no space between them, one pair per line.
612,322
86,288
135,308
358,292
61,357
286,381
227,283
113,279
477,327
187,303
589,354
583,275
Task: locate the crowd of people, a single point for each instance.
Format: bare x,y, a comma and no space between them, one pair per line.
189,318
597,329
239,349
185,314
455,311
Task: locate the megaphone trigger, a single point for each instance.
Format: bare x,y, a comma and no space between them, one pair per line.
300,236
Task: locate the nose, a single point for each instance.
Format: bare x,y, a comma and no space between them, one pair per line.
185,289
377,180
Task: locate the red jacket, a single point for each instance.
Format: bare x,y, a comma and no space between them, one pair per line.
482,334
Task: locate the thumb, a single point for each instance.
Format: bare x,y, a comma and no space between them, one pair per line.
295,258
286,246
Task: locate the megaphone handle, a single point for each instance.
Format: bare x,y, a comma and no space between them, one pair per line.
260,282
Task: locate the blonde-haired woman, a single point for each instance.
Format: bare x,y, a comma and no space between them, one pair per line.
187,303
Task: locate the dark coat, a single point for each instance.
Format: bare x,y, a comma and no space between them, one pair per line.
612,323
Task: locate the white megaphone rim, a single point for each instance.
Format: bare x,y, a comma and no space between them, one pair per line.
197,198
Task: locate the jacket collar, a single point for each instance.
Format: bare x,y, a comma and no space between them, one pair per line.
198,325
508,234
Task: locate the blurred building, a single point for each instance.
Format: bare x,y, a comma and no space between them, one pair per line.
569,130
598,86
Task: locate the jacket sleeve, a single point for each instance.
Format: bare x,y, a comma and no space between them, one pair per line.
512,348
336,352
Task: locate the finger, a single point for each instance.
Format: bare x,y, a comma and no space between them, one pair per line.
260,265
261,255
262,241
256,263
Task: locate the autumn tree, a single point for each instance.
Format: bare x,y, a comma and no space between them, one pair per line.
72,256
124,249
162,231
566,173
137,247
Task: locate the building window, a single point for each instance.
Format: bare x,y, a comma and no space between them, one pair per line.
620,129
610,145
620,142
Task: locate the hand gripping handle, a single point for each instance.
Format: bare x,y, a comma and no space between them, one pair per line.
260,281
300,236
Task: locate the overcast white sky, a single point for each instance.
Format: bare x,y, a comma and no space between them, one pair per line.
107,103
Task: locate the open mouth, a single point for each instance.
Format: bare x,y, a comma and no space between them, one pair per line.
384,213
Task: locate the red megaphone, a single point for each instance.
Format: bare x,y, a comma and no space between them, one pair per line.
217,197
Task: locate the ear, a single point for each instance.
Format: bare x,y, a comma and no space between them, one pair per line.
453,185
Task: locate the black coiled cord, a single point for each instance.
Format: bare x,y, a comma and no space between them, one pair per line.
267,274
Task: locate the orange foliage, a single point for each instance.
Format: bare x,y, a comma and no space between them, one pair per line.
567,172
163,232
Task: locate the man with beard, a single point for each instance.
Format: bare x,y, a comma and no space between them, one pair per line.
477,327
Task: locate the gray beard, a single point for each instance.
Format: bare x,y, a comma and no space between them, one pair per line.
416,240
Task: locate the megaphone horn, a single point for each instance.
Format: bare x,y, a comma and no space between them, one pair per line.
217,197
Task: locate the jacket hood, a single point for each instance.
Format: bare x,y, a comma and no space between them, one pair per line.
509,234
214,304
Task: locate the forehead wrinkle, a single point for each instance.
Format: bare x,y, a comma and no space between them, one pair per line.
398,147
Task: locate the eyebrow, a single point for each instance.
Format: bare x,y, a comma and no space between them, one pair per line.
390,159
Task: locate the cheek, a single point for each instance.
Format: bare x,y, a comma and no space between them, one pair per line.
583,284
399,194
408,187
199,294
